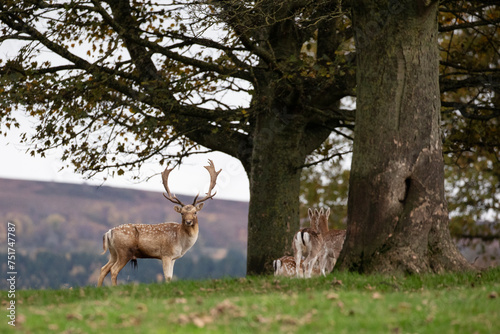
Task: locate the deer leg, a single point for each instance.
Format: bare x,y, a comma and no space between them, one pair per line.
309,264
306,268
116,268
171,273
104,271
323,260
107,267
168,268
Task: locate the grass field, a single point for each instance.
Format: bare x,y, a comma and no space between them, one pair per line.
339,303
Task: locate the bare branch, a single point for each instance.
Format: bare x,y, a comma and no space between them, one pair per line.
465,109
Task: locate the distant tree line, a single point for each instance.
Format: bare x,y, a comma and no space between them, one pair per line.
48,270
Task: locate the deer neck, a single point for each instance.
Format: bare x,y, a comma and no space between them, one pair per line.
191,230
190,236
323,226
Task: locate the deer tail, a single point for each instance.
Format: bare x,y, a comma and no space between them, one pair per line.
306,239
105,241
275,267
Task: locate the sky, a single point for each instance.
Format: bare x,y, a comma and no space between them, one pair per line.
188,179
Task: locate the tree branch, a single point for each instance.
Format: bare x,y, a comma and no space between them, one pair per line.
483,237
221,139
133,39
491,81
327,158
235,15
464,107
468,25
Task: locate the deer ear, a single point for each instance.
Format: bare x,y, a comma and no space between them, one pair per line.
199,206
178,208
327,214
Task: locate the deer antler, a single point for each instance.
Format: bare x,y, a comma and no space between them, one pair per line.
170,197
213,180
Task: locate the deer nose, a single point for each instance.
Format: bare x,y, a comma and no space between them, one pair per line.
189,222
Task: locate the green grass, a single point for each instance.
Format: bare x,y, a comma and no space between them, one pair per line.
339,303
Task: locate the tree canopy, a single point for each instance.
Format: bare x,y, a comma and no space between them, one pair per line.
116,83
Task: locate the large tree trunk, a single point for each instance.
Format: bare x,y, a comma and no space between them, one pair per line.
282,138
281,144
397,213
274,193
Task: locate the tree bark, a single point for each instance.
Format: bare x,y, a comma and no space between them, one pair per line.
273,214
397,213
281,142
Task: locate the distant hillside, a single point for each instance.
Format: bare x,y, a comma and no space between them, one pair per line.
65,219
70,217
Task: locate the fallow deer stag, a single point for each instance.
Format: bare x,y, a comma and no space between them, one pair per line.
167,241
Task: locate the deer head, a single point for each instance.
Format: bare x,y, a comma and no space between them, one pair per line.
189,211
